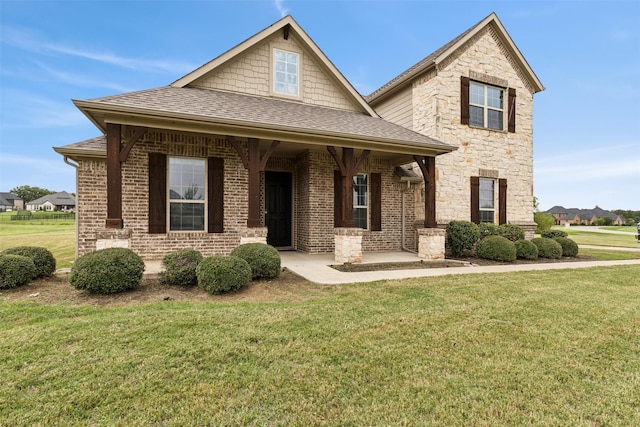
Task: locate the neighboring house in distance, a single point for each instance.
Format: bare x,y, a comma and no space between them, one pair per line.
10,202
269,142
567,216
59,202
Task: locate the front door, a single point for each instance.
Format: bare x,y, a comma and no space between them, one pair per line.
278,208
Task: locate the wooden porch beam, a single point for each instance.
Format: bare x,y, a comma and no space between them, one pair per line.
428,167
348,169
254,163
114,177
137,134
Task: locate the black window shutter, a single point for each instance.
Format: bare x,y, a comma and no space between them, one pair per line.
475,199
502,201
215,182
512,110
337,198
375,188
464,100
157,193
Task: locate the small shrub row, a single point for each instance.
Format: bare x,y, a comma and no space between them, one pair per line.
506,242
20,265
107,271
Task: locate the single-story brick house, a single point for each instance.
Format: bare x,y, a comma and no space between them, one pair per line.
10,202
568,216
269,142
59,202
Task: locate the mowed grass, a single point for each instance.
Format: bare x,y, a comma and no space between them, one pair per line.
625,228
534,348
602,239
57,236
609,255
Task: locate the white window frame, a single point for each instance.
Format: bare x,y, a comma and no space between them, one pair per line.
485,105
365,206
286,72
202,201
485,209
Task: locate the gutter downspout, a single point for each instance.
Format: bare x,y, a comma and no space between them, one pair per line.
75,166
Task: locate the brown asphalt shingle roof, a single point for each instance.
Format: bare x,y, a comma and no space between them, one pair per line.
223,107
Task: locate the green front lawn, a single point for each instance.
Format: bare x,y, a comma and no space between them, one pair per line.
601,239
532,348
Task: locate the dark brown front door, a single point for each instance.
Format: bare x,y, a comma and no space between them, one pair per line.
278,208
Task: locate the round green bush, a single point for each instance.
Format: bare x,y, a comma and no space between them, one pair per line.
552,234
15,270
569,247
511,231
548,248
497,248
43,259
180,267
488,229
107,271
218,274
461,237
526,249
264,260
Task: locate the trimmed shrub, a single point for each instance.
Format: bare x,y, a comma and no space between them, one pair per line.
526,249
511,231
219,274
107,271
15,270
497,248
488,229
43,260
569,247
552,234
461,237
180,267
264,260
548,248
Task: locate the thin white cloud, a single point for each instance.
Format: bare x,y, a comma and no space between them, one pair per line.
279,4
50,173
28,40
33,111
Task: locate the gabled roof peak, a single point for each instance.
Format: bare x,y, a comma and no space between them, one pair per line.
449,48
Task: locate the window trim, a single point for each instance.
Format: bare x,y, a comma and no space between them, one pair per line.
493,200
204,201
485,107
368,198
272,85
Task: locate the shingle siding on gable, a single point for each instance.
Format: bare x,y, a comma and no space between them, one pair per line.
250,73
398,109
437,113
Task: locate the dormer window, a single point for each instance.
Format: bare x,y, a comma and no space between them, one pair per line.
286,72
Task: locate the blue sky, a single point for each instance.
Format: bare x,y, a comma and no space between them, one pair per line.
586,53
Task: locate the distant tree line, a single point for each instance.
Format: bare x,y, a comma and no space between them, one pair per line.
632,217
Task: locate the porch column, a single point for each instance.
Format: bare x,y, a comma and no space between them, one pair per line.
348,167
428,167
114,177
254,165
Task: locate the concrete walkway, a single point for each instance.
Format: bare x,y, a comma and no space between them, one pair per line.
315,268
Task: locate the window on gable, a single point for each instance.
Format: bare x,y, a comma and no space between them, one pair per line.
487,200
187,201
486,106
360,200
286,72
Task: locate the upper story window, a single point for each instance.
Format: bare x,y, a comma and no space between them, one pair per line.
187,178
286,72
486,106
360,200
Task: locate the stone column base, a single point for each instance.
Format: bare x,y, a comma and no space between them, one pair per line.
113,238
254,235
348,245
529,229
431,243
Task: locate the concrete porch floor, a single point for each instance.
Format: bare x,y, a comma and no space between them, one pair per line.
316,268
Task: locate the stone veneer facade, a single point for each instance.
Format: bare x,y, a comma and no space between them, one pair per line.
312,194
434,106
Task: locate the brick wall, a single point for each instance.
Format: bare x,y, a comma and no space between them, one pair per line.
312,195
